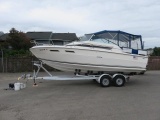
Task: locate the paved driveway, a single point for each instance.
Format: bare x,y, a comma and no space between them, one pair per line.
139,99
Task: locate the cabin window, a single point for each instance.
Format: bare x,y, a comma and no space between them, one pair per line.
70,51
108,48
54,50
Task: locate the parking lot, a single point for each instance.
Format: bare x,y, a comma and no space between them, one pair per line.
139,99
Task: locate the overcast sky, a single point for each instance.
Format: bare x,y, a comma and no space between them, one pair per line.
140,17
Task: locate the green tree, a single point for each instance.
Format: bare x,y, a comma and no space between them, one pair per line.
156,51
4,45
18,40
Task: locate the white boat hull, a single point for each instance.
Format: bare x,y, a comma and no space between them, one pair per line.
66,58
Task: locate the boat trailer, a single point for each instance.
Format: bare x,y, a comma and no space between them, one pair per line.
105,80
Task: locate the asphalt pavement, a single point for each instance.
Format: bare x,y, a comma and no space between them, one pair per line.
139,99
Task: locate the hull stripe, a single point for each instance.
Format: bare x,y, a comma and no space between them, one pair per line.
133,67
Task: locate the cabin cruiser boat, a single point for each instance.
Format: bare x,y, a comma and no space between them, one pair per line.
97,53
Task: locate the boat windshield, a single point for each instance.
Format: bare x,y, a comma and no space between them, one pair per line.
98,40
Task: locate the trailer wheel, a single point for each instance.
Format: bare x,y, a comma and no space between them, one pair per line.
119,80
105,81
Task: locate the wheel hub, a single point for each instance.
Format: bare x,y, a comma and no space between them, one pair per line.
119,81
105,81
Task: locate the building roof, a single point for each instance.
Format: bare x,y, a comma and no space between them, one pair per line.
64,36
39,35
50,35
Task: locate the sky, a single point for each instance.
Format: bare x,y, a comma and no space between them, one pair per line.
139,17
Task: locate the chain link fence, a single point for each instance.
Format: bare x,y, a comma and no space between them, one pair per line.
20,64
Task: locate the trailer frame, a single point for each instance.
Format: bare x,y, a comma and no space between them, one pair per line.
105,80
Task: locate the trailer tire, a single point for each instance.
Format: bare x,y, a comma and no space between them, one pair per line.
105,81
119,80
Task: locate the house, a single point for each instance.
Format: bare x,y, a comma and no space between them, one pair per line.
40,37
52,38
149,51
3,37
63,38
46,37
